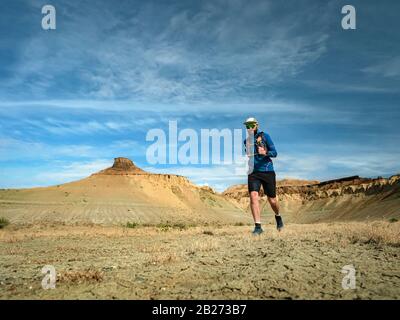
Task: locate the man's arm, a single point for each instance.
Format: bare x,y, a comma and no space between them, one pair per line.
272,153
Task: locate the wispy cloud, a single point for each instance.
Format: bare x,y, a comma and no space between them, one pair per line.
330,166
131,115
85,127
323,85
91,89
202,53
389,68
14,149
43,175
25,150
63,173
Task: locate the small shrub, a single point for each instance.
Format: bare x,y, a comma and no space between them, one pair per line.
163,226
392,220
4,222
180,226
239,224
131,224
210,233
168,226
147,225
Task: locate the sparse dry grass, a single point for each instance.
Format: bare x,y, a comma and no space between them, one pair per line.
302,261
377,233
80,276
342,233
153,248
204,245
163,258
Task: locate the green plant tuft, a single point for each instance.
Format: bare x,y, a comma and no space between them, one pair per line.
4,222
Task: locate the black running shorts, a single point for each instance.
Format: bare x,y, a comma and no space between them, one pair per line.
266,179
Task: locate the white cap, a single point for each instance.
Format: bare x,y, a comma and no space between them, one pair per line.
250,120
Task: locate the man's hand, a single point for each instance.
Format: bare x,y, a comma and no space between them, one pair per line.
262,151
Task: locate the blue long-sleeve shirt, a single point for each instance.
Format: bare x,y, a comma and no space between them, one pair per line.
258,162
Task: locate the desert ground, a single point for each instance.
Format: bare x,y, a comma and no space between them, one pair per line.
124,233
304,261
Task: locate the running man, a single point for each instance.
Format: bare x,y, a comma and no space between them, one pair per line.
260,149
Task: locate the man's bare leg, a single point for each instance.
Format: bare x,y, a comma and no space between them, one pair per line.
274,205
255,206
255,211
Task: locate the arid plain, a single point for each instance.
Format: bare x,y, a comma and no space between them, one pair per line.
126,234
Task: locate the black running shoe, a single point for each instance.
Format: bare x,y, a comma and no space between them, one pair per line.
279,223
257,231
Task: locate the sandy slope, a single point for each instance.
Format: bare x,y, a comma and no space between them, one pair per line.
337,200
117,195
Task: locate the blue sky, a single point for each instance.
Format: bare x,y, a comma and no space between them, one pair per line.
73,98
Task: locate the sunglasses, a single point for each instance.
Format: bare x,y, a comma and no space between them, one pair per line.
250,126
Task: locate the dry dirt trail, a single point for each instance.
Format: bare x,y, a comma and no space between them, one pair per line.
302,262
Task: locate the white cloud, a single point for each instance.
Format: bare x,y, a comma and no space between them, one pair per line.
389,68
323,85
138,113
15,149
59,126
330,166
206,54
25,150
71,171
57,172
